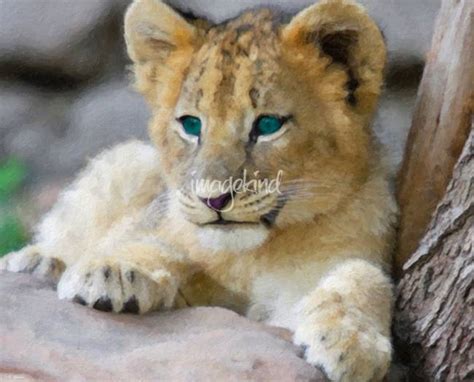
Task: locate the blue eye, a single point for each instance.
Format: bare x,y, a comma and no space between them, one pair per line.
191,125
268,124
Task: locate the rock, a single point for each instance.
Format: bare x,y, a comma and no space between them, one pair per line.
56,132
31,121
407,25
102,116
18,105
392,123
60,37
28,118
43,338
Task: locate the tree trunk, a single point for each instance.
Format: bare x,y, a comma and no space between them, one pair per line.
441,123
434,314
434,310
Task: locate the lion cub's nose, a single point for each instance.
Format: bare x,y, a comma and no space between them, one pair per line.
217,203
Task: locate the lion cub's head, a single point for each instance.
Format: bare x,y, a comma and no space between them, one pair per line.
260,124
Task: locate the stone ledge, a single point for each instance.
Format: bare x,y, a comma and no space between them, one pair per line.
43,338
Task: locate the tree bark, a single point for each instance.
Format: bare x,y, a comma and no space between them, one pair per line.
434,313
440,125
434,310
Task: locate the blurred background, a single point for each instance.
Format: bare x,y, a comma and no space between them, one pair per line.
65,94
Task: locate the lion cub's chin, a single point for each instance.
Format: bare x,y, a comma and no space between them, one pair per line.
238,239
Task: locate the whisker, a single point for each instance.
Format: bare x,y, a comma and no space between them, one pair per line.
312,181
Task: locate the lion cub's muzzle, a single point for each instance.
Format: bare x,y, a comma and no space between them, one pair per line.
230,208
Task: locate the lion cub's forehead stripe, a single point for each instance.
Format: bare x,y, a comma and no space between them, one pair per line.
234,66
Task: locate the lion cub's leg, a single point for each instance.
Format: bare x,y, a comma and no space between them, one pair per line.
134,278
345,323
113,185
31,260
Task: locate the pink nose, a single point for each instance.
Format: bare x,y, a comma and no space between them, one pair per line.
217,203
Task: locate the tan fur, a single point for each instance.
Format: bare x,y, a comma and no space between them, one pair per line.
130,230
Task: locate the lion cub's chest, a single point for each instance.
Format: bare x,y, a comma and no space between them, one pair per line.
241,282
203,289
224,281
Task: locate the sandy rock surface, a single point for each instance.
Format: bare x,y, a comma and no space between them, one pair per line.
45,339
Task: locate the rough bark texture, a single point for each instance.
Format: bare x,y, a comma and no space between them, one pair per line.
440,125
434,318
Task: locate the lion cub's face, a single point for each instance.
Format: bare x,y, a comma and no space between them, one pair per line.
258,125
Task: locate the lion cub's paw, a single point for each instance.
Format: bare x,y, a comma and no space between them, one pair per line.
29,260
118,287
342,347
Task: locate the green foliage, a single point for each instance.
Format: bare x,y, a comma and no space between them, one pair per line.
12,233
12,175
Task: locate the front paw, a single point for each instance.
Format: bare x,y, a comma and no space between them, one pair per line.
119,287
30,260
343,345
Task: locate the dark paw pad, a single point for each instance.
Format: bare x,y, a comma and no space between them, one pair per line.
79,300
103,304
131,306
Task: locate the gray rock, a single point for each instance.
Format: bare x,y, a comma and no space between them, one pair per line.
393,121
56,132
31,120
45,339
62,37
101,116
17,105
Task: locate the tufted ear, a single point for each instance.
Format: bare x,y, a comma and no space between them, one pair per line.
157,38
344,33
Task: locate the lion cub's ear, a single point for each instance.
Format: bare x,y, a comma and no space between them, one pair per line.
153,30
157,38
342,31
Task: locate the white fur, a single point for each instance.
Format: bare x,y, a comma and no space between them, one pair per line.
120,178
236,240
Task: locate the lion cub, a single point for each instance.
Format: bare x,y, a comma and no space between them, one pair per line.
253,101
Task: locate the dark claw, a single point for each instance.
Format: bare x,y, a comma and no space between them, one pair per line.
103,304
322,370
130,275
79,300
106,272
131,306
302,351
31,268
52,265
